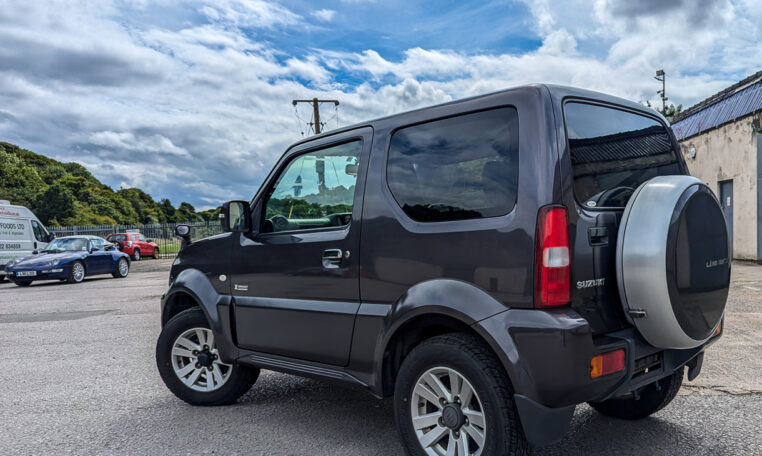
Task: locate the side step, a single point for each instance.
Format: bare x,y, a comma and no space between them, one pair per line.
298,367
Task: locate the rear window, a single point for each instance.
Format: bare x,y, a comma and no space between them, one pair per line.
463,167
117,237
613,152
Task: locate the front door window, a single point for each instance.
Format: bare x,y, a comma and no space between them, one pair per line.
316,190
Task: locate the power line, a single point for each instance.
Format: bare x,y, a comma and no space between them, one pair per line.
317,125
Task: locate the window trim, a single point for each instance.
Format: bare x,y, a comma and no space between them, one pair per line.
290,156
602,104
459,224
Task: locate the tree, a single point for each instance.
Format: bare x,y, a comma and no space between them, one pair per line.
187,213
168,211
669,112
57,202
39,182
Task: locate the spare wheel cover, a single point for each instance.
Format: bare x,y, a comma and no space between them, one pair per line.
673,261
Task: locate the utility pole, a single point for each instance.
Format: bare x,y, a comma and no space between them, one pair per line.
316,110
661,76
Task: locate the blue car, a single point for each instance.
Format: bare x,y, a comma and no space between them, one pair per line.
70,258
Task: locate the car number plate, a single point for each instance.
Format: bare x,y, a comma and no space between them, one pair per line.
26,273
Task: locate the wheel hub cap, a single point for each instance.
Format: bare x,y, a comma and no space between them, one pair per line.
453,416
205,358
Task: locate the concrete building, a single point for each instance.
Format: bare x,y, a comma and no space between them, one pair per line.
721,140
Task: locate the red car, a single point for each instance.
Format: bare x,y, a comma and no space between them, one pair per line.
134,244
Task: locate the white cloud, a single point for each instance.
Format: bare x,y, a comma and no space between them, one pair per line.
199,110
324,15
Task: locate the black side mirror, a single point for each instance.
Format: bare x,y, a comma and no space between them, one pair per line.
51,236
236,216
183,232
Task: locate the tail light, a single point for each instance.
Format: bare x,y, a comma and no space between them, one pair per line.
607,363
552,279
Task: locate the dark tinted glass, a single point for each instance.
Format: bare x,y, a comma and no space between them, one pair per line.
117,237
459,168
613,152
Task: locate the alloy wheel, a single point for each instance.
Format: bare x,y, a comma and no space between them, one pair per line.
124,268
447,415
196,361
78,271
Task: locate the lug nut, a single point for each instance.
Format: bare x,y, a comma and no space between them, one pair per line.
195,352
198,365
206,347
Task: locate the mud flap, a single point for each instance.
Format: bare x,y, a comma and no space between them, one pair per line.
542,425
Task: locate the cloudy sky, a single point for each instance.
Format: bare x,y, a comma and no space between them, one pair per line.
191,100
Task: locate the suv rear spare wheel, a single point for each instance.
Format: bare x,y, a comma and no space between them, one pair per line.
673,261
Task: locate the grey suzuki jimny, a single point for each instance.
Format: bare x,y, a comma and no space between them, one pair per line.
490,263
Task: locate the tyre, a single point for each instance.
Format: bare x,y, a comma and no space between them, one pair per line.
76,273
156,253
122,268
2,278
23,283
648,400
452,396
188,362
136,254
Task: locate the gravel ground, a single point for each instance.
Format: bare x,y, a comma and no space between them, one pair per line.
79,377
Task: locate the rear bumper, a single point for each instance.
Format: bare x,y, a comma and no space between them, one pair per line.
547,356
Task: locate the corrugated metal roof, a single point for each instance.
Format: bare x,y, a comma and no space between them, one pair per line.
739,100
648,142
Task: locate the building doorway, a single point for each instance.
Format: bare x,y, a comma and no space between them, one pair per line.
726,200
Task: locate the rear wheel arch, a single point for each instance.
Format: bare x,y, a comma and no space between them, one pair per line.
413,332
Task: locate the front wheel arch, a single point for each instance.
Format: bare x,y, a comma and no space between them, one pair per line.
176,303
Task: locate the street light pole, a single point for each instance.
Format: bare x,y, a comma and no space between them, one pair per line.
661,76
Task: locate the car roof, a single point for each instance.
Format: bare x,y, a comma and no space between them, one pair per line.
80,236
556,92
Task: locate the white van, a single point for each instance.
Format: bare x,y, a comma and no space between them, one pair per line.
21,234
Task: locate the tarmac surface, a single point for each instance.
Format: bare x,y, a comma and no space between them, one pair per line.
78,376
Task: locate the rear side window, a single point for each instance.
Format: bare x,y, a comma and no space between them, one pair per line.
463,167
613,152
117,237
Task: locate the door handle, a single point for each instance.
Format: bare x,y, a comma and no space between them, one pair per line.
333,255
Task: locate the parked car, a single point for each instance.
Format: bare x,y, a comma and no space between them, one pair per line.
134,244
21,234
490,262
71,259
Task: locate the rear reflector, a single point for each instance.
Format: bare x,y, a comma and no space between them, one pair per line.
552,282
607,363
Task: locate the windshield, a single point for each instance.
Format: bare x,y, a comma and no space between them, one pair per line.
67,245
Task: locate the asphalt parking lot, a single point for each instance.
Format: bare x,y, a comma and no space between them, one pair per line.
78,377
